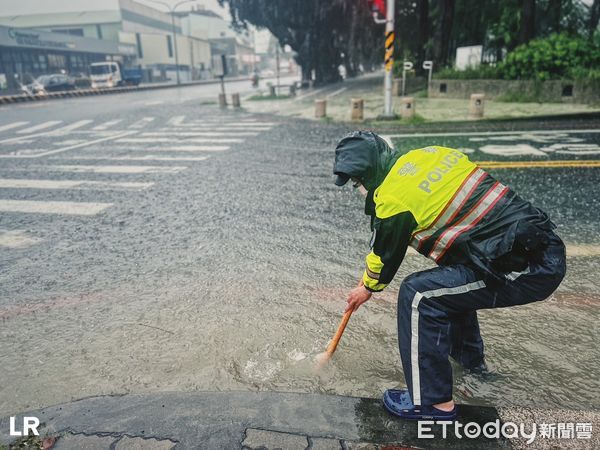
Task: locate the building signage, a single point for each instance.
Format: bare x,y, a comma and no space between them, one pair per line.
31,39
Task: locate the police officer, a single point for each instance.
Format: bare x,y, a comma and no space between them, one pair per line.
493,249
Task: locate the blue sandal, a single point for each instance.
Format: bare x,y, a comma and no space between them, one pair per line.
398,402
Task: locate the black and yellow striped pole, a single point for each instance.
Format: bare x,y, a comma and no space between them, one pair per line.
389,58
389,50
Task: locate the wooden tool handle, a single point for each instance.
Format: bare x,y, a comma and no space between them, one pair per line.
338,334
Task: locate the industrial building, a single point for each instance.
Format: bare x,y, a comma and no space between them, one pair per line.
39,37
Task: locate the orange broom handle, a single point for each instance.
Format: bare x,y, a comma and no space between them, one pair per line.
338,334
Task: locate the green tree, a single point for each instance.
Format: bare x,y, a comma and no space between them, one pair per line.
323,34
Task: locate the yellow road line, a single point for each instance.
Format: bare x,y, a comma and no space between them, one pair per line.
530,164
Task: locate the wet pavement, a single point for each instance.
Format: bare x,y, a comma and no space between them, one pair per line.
177,247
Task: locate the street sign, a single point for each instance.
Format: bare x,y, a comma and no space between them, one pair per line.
428,65
407,66
219,65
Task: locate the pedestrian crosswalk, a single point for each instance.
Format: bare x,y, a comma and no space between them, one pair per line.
54,159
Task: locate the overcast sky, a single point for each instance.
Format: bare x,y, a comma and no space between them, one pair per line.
212,5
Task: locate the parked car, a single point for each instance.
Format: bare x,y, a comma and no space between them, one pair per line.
82,81
50,83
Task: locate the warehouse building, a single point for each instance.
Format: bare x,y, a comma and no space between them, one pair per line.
38,37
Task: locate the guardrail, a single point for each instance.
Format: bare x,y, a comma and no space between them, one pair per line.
19,98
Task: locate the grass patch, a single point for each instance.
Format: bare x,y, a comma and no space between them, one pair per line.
516,97
417,119
421,94
259,97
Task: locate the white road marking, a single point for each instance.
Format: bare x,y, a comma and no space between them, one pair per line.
17,239
221,124
141,123
41,126
154,102
116,169
177,141
73,126
184,148
106,125
511,150
70,147
583,250
201,133
176,121
220,127
137,158
70,184
41,207
334,93
493,133
309,94
10,126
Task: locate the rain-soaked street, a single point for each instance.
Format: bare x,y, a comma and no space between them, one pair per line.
171,246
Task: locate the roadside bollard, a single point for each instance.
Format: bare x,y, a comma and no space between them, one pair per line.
357,108
293,90
272,92
235,100
407,107
222,101
476,106
320,108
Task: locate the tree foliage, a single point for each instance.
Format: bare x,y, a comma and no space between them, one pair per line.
557,56
326,34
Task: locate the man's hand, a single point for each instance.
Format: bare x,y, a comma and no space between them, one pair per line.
357,297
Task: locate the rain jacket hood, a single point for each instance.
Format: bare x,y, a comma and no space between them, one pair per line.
367,157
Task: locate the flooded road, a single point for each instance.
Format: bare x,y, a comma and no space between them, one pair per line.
232,274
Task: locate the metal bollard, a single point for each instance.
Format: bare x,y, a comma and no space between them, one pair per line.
357,108
476,106
407,107
272,91
320,108
235,100
222,101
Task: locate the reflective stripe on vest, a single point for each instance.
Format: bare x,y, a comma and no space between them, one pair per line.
468,221
452,207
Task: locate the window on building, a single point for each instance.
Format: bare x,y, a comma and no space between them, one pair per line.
57,62
99,31
71,31
169,46
138,40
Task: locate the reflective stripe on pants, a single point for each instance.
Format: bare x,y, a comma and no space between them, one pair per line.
435,305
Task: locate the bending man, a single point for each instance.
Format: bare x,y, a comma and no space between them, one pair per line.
492,248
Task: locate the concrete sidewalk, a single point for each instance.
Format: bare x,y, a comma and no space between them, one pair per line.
269,420
370,88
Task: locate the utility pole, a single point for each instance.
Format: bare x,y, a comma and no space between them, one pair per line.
277,59
377,7
175,44
173,31
389,58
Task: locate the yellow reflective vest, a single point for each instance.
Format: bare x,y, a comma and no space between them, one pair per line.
432,199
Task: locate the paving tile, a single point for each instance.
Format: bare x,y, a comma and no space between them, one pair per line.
129,443
80,441
325,444
273,440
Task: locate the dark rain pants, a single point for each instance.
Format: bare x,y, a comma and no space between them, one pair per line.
437,316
